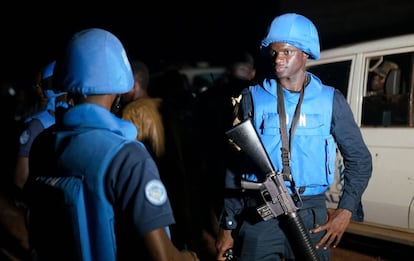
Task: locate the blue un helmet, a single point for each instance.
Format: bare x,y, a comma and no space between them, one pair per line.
48,90
46,81
48,70
296,30
95,62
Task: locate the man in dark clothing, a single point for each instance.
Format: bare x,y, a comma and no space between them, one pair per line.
315,119
214,115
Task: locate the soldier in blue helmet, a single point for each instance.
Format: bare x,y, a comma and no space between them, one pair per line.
94,192
295,113
36,123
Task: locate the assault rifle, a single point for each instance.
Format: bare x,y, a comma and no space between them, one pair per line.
278,202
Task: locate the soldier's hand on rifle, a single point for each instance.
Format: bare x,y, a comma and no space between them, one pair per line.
335,226
224,242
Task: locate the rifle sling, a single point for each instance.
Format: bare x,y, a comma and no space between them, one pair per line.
287,141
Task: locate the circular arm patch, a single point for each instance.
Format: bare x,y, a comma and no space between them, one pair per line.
155,192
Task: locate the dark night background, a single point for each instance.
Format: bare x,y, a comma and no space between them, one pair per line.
177,31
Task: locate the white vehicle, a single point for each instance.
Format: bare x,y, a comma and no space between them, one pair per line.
388,130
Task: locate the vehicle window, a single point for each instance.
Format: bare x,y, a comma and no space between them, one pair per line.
333,74
204,81
386,100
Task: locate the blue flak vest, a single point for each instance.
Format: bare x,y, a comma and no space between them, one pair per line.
313,150
73,205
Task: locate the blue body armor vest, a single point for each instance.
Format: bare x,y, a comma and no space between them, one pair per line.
97,209
70,206
313,150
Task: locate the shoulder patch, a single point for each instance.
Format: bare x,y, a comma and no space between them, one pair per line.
24,137
155,192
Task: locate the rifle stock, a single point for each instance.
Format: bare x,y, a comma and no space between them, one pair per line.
279,203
